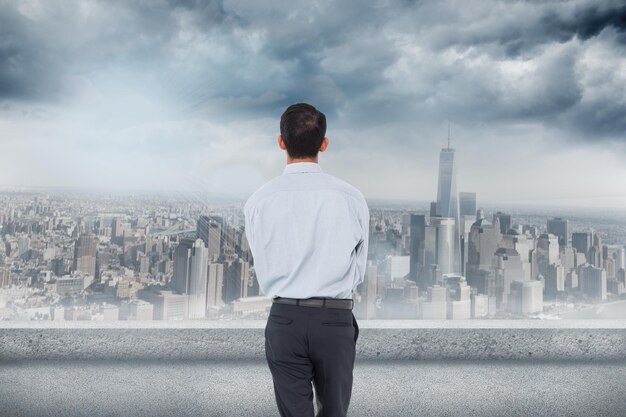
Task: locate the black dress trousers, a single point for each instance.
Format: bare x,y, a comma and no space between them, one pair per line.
305,345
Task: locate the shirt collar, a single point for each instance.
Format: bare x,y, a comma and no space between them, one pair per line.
301,167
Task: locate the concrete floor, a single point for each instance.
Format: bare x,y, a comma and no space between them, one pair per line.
400,388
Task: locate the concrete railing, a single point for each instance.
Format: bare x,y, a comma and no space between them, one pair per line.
551,340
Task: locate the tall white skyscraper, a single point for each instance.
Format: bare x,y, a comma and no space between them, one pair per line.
448,199
190,275
439,246
198,280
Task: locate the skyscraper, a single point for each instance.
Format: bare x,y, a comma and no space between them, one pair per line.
198,280
439,249
482,245
504,220
215,282
182,258
582,241
547,248
190,275
560,228
209,229
85,254
417,232
448,200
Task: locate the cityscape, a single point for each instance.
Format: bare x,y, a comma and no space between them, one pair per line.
70,256
486,136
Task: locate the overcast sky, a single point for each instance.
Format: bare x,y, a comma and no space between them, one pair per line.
187,95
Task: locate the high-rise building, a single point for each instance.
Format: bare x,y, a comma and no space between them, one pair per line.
432,212
367,293
5,277
595,252
236,280
117,230
568,258
592,282
560,228
467,203
448,201
582,242
547,252
85,254
439,248
417,232
505,221
182,258
615,258
554,280
198,280
215,277
508,266
396,267
405,223
484,238
190,275
209,229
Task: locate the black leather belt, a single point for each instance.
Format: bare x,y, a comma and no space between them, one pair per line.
327,302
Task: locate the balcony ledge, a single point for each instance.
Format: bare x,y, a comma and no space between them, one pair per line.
379,340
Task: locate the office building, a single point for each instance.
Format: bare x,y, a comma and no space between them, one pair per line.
484,238
190,275
439,247
182,265
167,304
417,232
560,228
547,250
215,279
85,249
211,229
504,220
582,241
198,280
592,281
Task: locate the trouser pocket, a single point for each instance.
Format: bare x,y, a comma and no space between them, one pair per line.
356,328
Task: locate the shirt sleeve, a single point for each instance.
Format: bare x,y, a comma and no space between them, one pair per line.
362,246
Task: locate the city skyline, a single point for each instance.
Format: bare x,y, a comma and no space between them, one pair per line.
185,97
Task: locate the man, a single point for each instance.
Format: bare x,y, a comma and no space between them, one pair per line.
308,233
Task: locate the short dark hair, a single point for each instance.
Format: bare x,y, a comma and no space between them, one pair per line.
303,129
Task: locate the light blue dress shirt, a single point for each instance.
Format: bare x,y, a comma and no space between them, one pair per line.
308,232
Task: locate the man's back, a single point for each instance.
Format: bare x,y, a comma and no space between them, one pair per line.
308,232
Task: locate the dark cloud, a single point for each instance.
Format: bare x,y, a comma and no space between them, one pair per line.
23,68
585,21
363,63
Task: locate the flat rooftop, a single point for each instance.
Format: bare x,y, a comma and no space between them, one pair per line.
244,389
